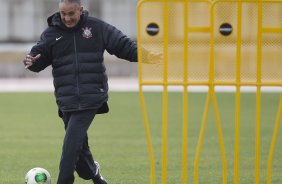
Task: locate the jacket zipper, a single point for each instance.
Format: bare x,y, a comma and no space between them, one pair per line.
76,69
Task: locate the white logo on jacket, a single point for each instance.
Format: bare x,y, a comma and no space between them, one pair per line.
58,38
87,32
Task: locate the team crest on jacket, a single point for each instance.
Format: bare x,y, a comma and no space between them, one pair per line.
87,32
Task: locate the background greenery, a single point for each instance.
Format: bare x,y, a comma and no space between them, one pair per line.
31,135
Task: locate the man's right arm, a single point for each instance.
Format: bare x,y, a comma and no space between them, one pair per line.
38,58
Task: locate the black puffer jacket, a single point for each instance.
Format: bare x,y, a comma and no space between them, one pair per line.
76,56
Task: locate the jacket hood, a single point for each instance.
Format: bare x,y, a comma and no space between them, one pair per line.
55,20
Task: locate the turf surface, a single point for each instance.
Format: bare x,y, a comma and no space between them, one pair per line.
31,135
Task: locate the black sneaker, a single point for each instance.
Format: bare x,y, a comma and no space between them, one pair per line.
98,179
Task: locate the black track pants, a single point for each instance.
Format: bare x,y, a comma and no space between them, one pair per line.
76,154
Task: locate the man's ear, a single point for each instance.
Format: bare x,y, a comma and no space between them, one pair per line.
81,9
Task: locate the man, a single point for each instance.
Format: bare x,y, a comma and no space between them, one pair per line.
73,44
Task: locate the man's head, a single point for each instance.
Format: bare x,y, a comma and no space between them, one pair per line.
70,12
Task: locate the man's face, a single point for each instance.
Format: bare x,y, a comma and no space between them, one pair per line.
70,14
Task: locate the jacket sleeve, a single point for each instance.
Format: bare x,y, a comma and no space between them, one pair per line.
44,60
118,44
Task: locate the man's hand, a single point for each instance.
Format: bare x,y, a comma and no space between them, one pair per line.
154,58
29,60
150,57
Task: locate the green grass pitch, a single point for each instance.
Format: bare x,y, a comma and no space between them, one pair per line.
31,135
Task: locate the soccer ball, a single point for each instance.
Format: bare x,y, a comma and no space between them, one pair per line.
37,176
